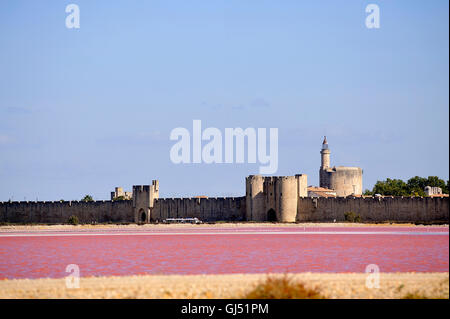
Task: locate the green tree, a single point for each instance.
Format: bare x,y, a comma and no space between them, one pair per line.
352,217
391,187
73,220
416,186
87,198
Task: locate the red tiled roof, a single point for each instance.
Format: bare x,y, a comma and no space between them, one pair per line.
321,191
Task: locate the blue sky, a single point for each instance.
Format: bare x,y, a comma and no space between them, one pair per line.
85,110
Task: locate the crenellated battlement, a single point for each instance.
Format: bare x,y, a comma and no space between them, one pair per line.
317,209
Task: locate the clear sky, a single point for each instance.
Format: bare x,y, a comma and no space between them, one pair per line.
85,110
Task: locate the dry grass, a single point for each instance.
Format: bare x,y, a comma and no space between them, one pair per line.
282,288
417,295
231,286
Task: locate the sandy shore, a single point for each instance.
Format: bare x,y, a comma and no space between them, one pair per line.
392,285
200,226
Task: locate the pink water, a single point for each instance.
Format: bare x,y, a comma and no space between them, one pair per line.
224,250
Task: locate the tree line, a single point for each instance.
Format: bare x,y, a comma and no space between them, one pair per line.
415,186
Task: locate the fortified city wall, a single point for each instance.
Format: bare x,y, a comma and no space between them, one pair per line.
205,209
373,209
59,212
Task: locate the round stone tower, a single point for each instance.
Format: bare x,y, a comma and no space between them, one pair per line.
286,198
346,180
255,200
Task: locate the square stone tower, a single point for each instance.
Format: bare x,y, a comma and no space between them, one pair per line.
144,197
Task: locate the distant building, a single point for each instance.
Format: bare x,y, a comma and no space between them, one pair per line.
434,192
118,192
429,190
320,192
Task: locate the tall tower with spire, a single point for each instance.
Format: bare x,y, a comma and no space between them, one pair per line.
343,180
324,165
325,152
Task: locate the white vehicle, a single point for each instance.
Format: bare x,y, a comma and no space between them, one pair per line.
194,220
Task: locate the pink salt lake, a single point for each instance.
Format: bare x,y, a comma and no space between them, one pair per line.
119,252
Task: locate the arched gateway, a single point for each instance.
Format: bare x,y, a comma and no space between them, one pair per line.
143,215
271,215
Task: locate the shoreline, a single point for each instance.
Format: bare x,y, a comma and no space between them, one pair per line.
228,286
206,225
